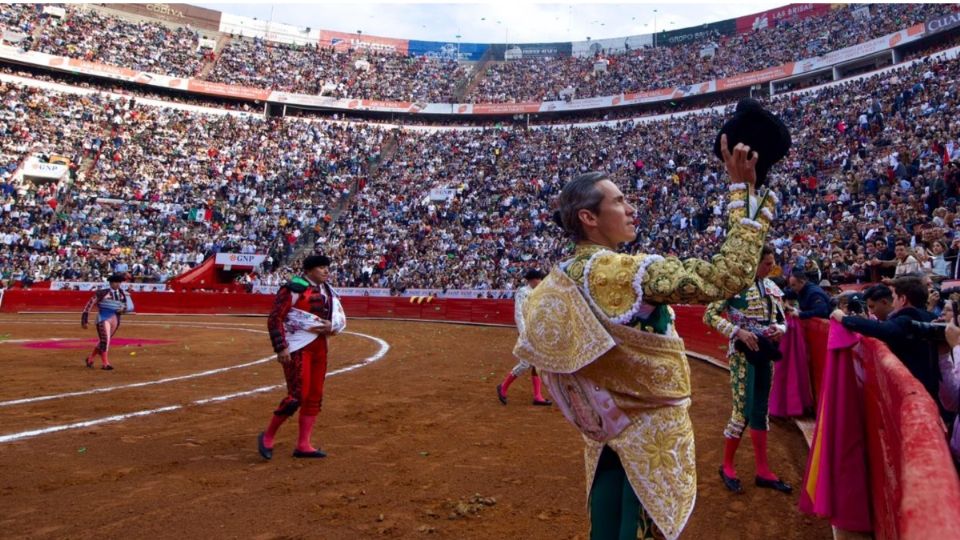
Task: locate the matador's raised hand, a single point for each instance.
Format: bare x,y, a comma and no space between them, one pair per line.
738,166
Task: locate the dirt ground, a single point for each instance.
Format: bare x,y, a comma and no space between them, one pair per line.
419,446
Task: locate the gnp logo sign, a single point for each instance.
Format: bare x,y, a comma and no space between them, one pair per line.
239,259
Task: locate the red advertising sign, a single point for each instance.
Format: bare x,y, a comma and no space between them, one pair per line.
759,21
377,104
85,66
218,89
345,40
505,108
662,92
756,77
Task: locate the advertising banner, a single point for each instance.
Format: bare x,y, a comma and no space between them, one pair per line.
346,40
269,30
756,77
55,11
95,285
34,168
448,49
342,291
227,90
442,194
185,14
759,21
14,37
942,24
463,293
873,46
530,50
611,45
92,68
505,108
239,259
696,33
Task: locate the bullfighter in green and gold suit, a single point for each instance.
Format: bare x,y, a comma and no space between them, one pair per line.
754,314
600,329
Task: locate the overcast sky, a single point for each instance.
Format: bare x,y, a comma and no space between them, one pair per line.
495,22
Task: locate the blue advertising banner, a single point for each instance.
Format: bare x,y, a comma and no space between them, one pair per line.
447,49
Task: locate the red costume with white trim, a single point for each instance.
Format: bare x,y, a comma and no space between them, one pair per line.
301,306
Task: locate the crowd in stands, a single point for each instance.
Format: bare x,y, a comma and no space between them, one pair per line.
130,90
342,73
875,164
88,34
388,75
545,79
155,190
20,18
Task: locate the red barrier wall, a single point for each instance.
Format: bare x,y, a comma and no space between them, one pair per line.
469,311
697,336
17,300
914,486
916,492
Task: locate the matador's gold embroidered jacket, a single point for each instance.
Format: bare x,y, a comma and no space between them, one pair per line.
748,310
622,384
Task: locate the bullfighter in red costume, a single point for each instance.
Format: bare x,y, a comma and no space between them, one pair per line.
304,313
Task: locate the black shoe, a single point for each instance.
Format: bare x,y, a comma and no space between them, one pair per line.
500,396
266,453
315,454
733,484
107,367
544,403
88,362
778,485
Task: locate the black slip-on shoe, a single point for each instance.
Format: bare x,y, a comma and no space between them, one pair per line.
315,454
733,484
266,453
778,485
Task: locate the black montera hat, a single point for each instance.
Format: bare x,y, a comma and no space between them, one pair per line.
759,129
533,274
117,278
314,261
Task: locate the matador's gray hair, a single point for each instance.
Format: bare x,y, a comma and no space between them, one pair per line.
581,193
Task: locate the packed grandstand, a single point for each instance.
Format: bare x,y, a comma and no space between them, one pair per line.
158,143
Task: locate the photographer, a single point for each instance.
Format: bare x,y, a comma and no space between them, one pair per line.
899,333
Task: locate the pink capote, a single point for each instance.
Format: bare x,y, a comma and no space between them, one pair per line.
791,393
836,484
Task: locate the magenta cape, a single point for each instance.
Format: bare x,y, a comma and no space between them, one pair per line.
791,393
836,484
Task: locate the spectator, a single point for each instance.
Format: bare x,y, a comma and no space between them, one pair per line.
813,301
897,332
879,300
